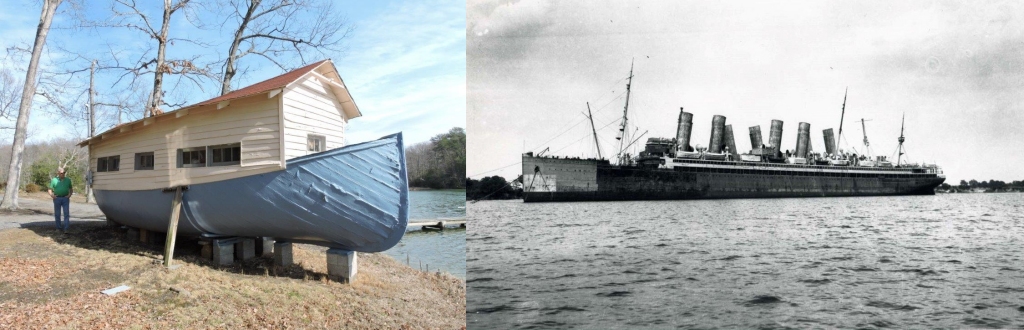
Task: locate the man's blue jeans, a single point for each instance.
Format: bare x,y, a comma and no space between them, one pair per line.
62,203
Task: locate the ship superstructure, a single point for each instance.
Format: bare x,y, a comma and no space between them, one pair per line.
670,168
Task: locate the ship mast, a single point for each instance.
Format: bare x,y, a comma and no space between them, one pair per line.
623,130
901,139
865,129
591,117
841,115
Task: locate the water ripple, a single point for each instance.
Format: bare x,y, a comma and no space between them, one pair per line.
945,261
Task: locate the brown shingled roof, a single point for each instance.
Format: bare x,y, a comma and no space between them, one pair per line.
263,86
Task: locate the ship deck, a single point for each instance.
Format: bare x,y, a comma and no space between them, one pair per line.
738,167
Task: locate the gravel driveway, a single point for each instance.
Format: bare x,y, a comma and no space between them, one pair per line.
35,212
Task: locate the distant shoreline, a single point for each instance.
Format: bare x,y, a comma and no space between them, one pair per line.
977,192
425,189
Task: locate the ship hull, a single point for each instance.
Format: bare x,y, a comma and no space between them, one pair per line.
355,198
571,180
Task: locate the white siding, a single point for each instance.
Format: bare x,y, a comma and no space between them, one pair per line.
310,107
253,121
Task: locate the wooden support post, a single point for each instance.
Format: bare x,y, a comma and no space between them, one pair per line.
172,228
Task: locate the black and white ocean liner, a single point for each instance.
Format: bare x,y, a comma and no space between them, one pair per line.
670,169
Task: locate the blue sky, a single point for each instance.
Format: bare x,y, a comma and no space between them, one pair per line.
404,63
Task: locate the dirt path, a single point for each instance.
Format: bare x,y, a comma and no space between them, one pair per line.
37,210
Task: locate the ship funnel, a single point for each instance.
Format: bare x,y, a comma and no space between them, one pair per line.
775,137
717,134
830,141
730,142
755,137
683,131
803,138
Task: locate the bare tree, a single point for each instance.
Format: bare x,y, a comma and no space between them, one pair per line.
70,156
9,90
14,173
417,158
273,28
134,18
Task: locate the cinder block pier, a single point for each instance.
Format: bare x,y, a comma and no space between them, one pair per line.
341,265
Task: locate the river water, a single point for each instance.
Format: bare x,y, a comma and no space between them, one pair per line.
944,261
434,250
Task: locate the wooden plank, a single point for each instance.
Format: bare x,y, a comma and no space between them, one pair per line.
210,121
172,228
251,120
446,222
308,107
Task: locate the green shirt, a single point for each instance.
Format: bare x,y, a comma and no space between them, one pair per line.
61,187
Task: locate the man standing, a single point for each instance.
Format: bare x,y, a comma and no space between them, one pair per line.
60,191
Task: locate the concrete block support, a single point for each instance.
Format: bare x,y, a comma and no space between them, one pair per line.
341,265
245,249
264,246
133,234
223,252
150,237
283,254
207,250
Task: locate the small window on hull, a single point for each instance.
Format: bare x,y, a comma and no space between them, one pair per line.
144,161
192,157
108,164
316,143
225,154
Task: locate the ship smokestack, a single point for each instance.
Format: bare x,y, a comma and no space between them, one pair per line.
717,134
683,130
803,137
755,137
730,142
775,136
830,141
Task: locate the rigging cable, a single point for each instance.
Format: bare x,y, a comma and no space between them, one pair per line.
497,169
567,129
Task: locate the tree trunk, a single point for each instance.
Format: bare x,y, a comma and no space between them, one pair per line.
225,85
158,75
229,67
17,150
92,130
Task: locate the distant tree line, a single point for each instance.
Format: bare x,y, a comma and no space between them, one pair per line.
983,186
439,163
494,187
42,160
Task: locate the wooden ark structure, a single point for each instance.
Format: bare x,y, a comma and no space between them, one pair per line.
267,160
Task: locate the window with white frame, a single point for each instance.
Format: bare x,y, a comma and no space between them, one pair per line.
316,143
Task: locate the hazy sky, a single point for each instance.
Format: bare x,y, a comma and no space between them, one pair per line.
955,69
404,62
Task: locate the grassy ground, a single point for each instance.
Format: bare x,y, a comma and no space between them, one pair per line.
49,280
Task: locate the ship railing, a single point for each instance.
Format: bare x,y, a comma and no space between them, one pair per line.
566,158
792,166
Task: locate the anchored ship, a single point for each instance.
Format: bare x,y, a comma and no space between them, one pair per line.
671,169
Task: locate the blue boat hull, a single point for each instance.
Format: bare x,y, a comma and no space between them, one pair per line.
354,198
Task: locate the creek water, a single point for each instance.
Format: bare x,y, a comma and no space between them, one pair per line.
445,251
943,261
